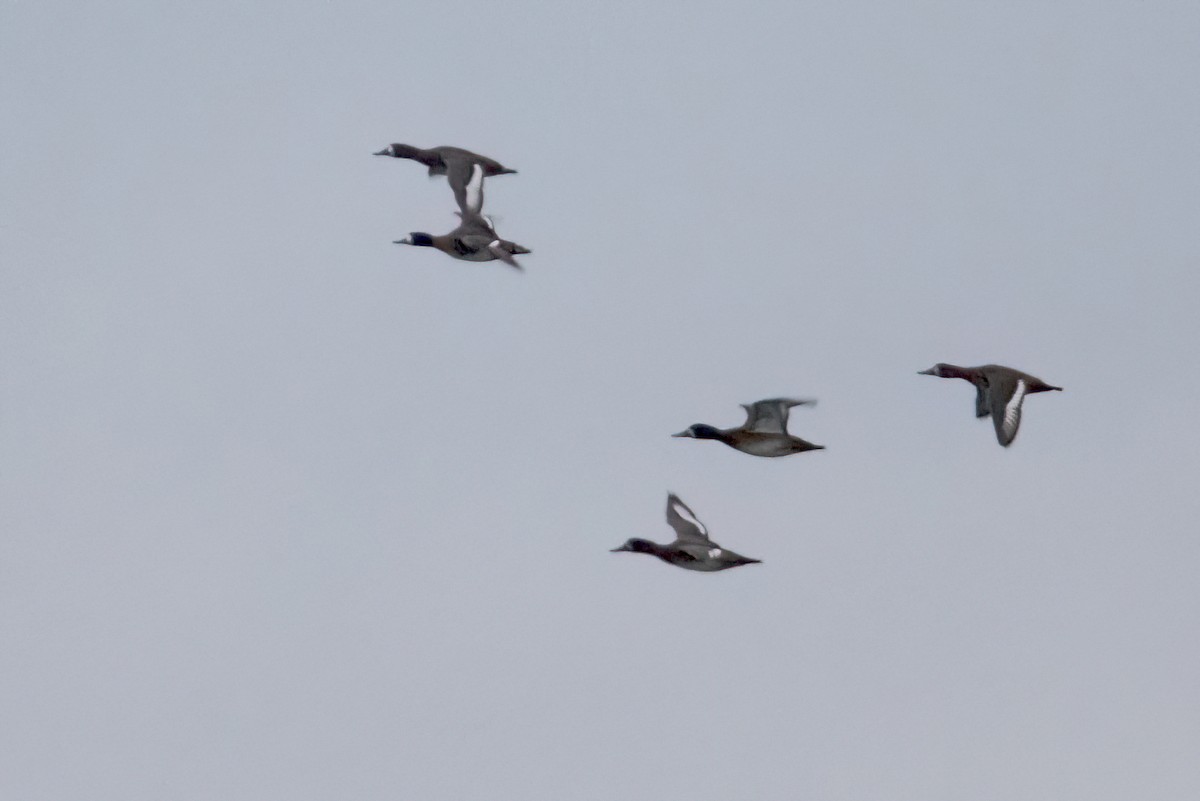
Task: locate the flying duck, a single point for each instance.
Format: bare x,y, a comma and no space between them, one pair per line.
692,549
999,391
763,434
454,163
475,239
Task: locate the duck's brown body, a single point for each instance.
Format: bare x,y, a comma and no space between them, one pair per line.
455,163
473,240
692,549
999,392
443,158
756,443
763,434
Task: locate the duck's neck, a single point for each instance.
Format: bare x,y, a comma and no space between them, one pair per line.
701,431
954,371
426,157
646,546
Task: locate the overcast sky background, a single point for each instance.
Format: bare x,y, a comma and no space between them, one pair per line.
290,512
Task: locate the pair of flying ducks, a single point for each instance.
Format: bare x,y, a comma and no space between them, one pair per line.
475,238
999,393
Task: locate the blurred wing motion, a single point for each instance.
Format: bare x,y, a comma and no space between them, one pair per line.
771,416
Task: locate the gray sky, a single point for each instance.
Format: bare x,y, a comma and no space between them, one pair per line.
290,512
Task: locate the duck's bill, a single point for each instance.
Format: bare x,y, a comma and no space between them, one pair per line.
384,152
925,372
405,241
682,434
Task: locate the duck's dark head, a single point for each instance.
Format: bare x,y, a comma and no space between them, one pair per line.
397,151
636,546
700,431
416,238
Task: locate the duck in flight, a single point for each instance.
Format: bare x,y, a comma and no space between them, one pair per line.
763,434
475,239
692,549
999,391
456,164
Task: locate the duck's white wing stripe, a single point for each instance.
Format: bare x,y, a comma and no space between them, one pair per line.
690,518
684,520
1012,411
475,190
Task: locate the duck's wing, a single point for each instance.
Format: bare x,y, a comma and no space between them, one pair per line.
477,223
474,225
982,407
771,416
470,236
688,528
479,233
468,244
497,249
1006,397
466,180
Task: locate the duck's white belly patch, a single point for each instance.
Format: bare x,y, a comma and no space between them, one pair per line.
713,553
